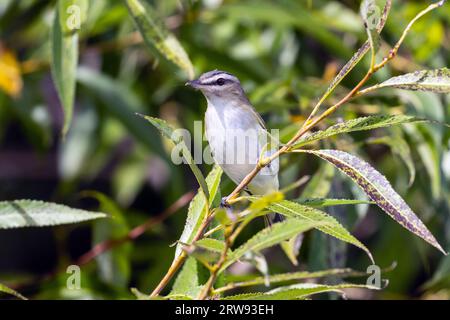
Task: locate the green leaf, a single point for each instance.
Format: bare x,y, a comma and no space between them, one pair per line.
331,226
198,209
211,244
371,15
177,139
293,276
64,60
325,202
437,81
187,282
271,236
356,58
32,213
358,124
298,291
12,292
376,186
158,39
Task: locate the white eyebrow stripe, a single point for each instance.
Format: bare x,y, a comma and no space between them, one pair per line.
215,77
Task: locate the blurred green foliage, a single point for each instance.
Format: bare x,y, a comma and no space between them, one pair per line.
285,53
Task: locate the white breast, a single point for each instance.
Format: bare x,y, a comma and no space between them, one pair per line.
234,137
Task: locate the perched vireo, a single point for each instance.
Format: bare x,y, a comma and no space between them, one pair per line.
236,133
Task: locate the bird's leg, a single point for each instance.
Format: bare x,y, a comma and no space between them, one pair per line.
224,203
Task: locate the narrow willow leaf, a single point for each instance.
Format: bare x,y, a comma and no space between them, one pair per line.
271,236
358,124
168,132
298,291
437,81
12,292
331,226
158,39
376,186
356,58
293,276
32,213
211,244
187,282
64,60
198,210
370,14
325,202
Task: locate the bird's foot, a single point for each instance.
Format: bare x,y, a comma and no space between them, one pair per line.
224,203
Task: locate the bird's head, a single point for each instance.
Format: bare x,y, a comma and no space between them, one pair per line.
219,85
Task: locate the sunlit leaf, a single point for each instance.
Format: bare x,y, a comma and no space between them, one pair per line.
271,236
293,276
298,291
371,14
198,209
379,190
187,282
326,202
12,292
437,81
358,124
332,226
159,40
32,213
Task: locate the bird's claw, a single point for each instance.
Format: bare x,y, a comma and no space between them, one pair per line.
224,203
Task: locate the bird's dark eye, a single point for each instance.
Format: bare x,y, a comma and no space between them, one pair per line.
220,82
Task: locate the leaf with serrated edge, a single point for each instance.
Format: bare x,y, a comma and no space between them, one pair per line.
325,202
437,81
198,210
368,13
32,213
187,282
358,124
271,236
297,291
332,226
376,186
293,276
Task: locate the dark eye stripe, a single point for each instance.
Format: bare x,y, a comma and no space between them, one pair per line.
214,82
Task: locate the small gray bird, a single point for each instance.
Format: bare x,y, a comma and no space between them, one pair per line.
236,133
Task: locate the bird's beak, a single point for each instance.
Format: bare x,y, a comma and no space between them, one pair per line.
194,84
